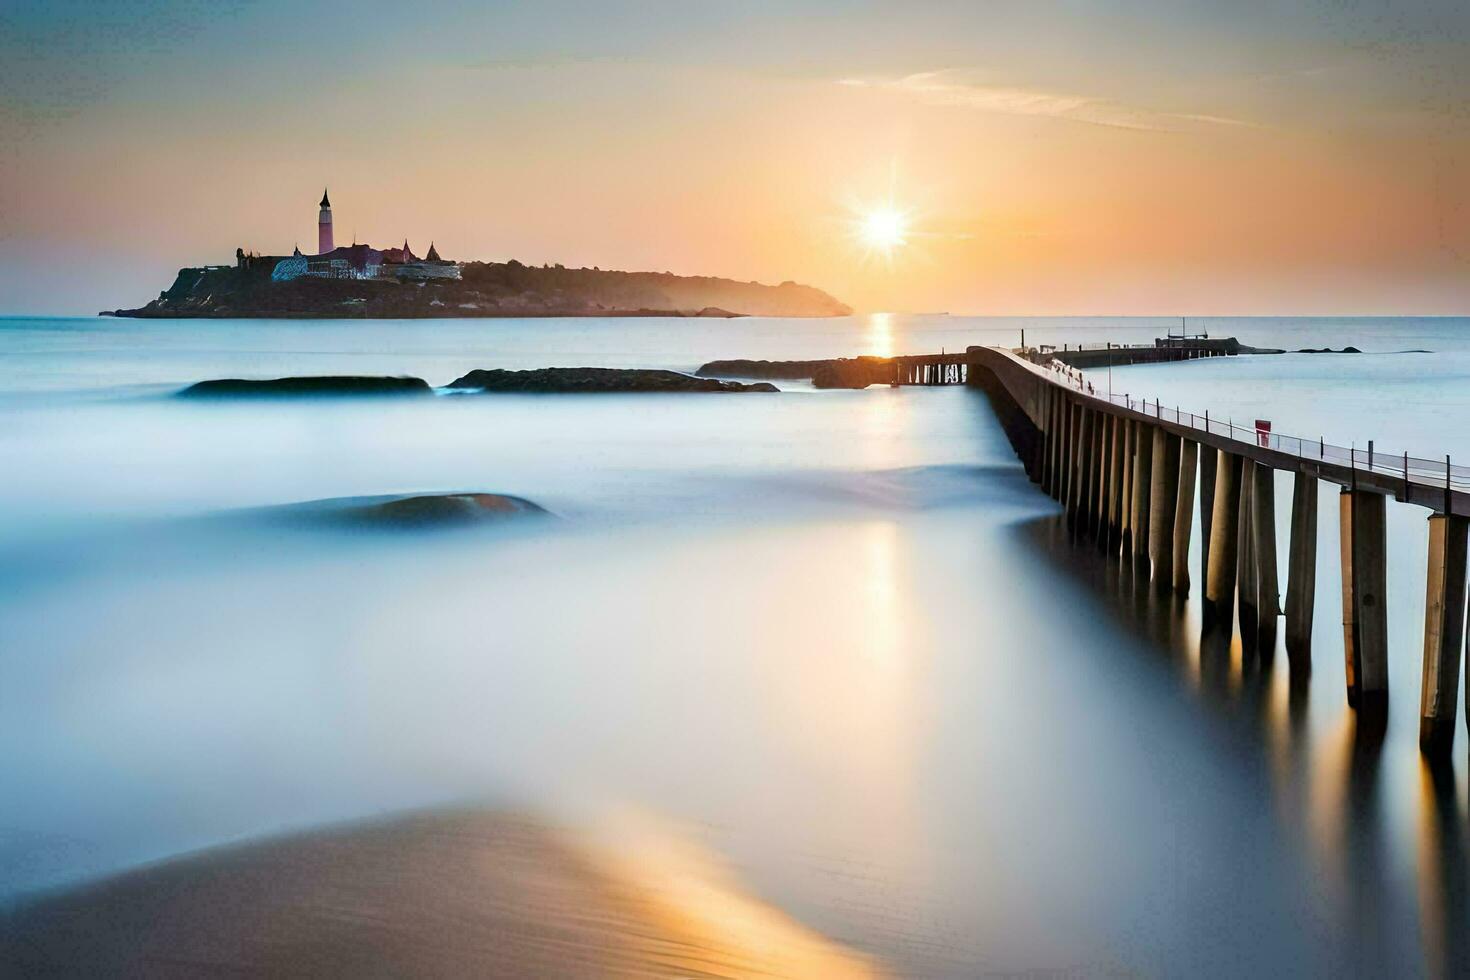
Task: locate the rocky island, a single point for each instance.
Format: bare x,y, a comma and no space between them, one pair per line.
361,281
357,286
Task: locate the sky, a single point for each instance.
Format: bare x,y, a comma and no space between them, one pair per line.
1161,157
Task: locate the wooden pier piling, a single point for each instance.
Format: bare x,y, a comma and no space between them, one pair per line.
1220,579
1100,485
1078,467
1365,591
1142,484
1208,457
1263,529
1085,472
1301,571
1115,485
1125,495
1163,506
1444,628
1069,454
1246,570
1054,437
1064,446
1184,514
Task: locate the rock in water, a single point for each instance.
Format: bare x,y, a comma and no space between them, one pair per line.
584,379
419,511
745,368
293,387
833,372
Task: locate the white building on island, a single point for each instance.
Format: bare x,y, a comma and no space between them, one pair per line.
360,261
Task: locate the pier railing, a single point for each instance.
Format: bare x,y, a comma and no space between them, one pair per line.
1440,473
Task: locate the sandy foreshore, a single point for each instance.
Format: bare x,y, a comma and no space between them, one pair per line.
445,894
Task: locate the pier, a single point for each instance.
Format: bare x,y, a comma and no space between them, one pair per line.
1160,351
1127,472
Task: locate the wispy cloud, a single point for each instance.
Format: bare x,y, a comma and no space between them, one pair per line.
949,88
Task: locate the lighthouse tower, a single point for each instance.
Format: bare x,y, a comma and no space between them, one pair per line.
324,226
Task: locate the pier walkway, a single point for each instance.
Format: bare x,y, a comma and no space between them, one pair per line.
1126,470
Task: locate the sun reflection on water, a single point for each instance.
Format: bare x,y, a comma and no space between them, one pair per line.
878,338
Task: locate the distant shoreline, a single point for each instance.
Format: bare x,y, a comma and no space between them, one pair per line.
432,314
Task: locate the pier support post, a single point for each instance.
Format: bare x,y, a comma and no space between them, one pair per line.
1444,628
1142,480
1049,462
1115,486
1094,470
1301,570
1079,522
1225,513
1064,451
1163,505
1059,454
1246,579
1365,589
1046,434
1125,499
1207,459
1069,464
1089,476
1078,465
1184,514
1100,485
1035,453
1080,473
1263,528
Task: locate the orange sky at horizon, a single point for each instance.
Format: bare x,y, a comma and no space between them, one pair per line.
1111,186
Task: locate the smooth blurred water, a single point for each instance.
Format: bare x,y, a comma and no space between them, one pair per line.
835,636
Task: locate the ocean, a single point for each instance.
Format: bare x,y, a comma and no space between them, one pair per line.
834,638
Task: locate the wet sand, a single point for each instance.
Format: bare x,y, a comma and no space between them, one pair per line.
457,893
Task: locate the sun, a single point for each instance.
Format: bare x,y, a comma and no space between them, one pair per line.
884,229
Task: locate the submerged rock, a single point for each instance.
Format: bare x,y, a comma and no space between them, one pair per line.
409,512
325,385
585,379
1329,350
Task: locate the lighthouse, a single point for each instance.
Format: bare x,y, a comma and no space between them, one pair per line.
324,226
